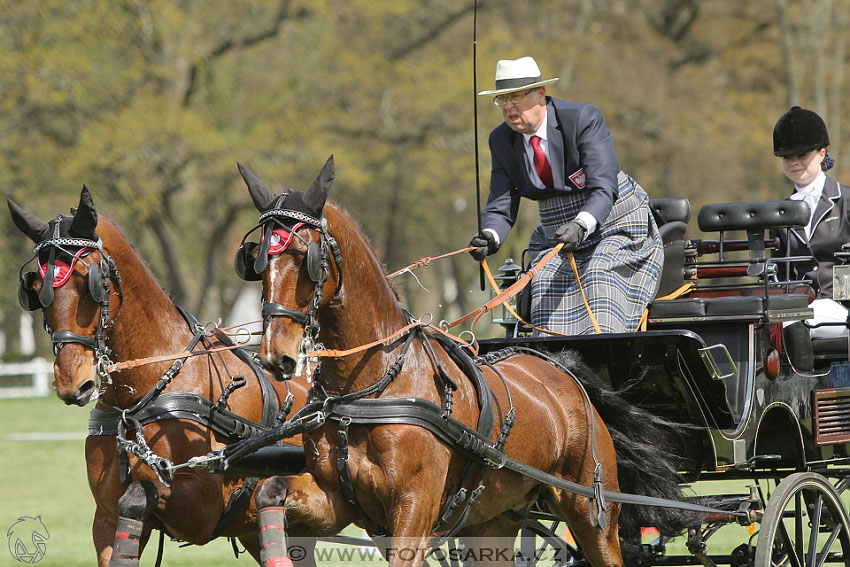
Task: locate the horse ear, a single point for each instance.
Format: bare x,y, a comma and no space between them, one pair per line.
32,226
85,219
317,194
260,194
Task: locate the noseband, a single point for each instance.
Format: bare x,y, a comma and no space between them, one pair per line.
98,284
318,268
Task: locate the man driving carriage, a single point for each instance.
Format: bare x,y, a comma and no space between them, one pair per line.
561,154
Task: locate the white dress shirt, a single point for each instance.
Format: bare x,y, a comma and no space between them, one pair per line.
811,194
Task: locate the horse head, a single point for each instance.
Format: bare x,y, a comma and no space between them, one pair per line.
72,287
299,264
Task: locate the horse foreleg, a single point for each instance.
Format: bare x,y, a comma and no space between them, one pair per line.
103,534
136,504
312,510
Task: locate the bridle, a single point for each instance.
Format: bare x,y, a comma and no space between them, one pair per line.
99,279
287,221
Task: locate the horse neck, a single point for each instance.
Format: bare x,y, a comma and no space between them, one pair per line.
365,310
146,323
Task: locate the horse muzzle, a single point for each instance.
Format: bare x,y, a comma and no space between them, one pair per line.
77,382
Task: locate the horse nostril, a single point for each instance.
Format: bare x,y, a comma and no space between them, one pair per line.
85,392
283,368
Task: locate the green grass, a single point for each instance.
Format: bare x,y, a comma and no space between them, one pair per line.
48,479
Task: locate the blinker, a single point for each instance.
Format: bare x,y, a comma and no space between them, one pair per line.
244,263
27,296
56,273
314,261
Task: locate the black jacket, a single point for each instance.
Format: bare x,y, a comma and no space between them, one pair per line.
831,229
581,153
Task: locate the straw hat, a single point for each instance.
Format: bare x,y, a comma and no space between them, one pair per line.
517,75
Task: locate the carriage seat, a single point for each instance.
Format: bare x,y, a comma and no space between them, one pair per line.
753,216
671,216
670,209
781,307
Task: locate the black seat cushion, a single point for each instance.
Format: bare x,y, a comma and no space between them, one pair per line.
788,301
677,308
734,305
837,345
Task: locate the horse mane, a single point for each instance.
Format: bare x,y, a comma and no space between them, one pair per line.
115,243
355,228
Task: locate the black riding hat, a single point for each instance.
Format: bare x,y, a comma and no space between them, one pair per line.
798,132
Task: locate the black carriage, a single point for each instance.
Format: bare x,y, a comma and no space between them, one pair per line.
756,396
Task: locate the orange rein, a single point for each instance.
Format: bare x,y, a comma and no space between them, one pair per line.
330,353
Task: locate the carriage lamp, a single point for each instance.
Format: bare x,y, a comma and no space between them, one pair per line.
506,277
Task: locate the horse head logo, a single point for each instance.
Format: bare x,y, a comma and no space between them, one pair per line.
27,539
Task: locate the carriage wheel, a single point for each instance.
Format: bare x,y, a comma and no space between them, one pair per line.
540,545
805,524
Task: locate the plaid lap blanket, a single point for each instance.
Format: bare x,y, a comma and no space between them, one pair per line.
619,265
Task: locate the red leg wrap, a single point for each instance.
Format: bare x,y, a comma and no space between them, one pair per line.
125,548
272,538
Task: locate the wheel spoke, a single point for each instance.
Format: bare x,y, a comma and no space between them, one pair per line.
815,530
799,515
788,543
821,558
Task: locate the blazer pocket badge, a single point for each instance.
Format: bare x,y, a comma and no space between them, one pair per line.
578,178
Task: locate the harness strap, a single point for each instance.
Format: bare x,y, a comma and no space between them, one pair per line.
345,483
276,310
415,411
271,403
66,337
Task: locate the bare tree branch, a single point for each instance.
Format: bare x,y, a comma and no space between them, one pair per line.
230,44
431,34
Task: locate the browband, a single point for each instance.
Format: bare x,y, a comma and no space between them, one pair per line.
75,242
290,214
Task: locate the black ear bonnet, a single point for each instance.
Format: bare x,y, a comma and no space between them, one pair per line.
287,212
71,248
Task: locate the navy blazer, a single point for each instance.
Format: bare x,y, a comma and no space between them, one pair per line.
831,229
581,153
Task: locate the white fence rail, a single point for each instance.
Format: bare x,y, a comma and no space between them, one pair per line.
39,372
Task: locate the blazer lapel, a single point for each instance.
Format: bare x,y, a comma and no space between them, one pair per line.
556,145
831,193
519,152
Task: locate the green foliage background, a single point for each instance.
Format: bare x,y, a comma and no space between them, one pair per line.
150,103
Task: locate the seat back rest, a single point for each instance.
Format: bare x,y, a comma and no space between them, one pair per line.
758,215
673,271
670,209
754,218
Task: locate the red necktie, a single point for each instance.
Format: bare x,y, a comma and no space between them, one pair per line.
541,164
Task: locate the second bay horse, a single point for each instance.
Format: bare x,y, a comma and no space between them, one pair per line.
100,302
324,287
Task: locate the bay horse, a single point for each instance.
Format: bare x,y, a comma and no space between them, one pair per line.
324,288
101,301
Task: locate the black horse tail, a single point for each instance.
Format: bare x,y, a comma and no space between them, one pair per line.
646,463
